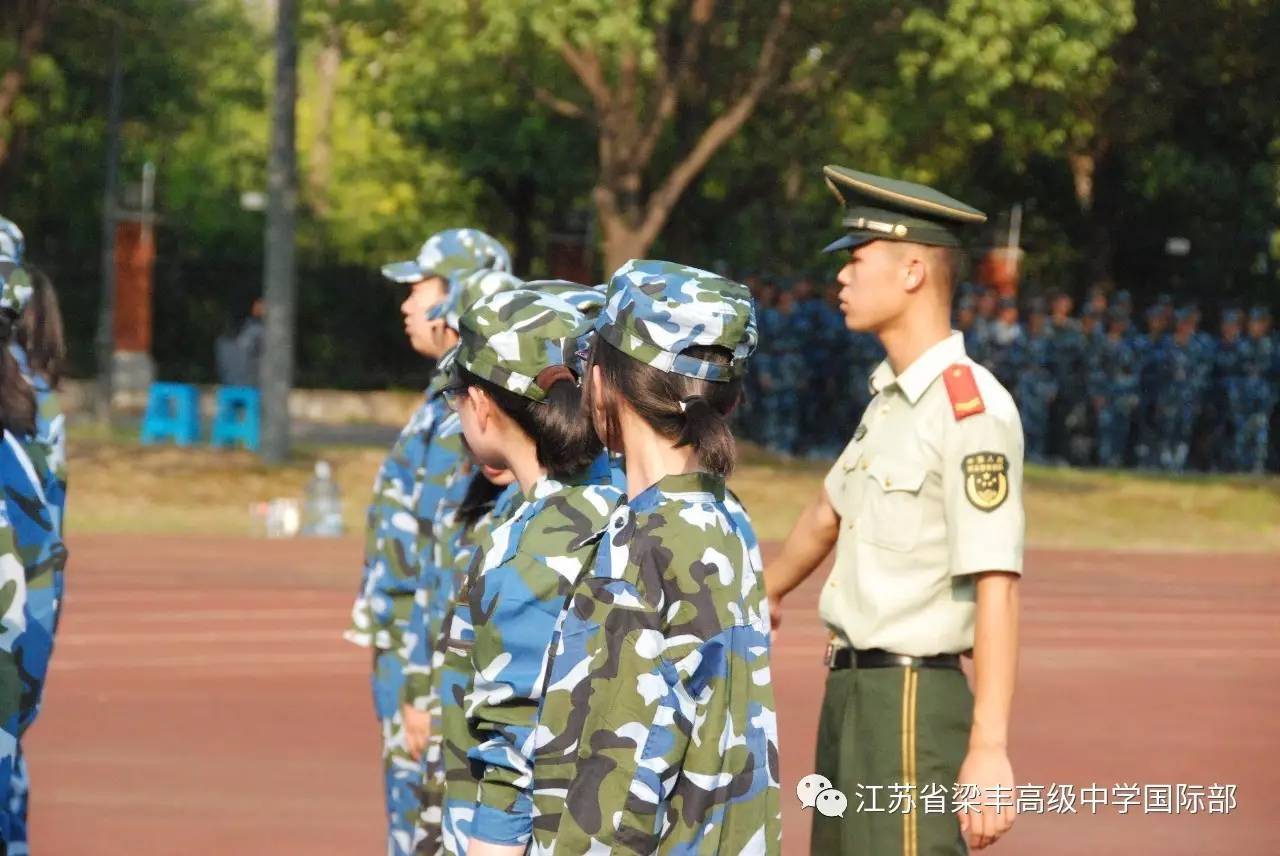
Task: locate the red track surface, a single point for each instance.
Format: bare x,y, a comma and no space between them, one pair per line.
202,702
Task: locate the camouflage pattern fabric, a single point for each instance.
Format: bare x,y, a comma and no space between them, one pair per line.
587,299
392,537
448,252
400,770
15,286
657,309
12,242
47,452
496,651
445,480
657,730
508,339
465,543
44,556
13,601
466,289
394,540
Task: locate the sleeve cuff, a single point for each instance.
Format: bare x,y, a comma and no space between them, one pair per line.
978,563
499,827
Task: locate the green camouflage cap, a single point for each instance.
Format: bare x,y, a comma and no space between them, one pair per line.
445,253
657,309
587,299
518,339
15,286
886,209
466,288
12,243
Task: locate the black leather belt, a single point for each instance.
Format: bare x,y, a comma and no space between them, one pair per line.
876,658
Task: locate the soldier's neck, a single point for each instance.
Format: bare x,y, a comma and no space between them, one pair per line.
908,339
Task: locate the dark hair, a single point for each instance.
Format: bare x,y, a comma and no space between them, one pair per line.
482,495
565,441
17,399
39,330
691,411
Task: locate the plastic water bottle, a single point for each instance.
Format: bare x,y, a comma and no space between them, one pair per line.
322,505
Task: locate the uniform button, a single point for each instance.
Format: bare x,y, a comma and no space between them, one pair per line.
865,463
888,482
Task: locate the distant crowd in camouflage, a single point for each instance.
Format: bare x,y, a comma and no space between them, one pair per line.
1097,387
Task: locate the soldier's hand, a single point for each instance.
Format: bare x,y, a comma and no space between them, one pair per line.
987,769
775,616
417,729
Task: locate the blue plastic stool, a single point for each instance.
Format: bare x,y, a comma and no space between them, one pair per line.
238,418
173,413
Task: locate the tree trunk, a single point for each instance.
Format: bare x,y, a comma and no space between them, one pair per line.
623,238
279,285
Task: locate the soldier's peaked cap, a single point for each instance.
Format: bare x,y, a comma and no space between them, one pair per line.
887,209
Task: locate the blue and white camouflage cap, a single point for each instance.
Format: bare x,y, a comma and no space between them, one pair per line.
466,288
446,253
523,341
587,299
12,242
15,286
656,310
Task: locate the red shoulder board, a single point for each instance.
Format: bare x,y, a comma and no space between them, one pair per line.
962,389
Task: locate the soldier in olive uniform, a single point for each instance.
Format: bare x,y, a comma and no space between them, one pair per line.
924,509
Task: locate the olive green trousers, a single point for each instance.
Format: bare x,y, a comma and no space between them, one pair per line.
902,727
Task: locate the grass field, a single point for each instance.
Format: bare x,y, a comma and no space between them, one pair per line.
119,486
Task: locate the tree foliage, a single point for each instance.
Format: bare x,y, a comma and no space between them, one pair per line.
689,128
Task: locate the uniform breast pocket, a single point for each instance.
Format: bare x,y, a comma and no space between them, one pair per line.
892,507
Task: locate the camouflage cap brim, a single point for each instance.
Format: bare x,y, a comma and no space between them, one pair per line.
404,273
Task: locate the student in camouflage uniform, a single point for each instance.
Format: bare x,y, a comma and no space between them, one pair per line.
668,629
1036,386
1224,390
446,479
425,690
396,537
39,350
1005,342
28,543
1151,347
1115,389
516,389
1179,388
491,497
1256,394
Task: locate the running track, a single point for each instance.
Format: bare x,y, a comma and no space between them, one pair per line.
202,702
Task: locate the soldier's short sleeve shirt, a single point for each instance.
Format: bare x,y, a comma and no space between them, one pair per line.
929,492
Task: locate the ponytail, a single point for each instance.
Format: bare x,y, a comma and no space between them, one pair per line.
691,411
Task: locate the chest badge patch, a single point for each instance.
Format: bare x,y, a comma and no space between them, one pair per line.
986,480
